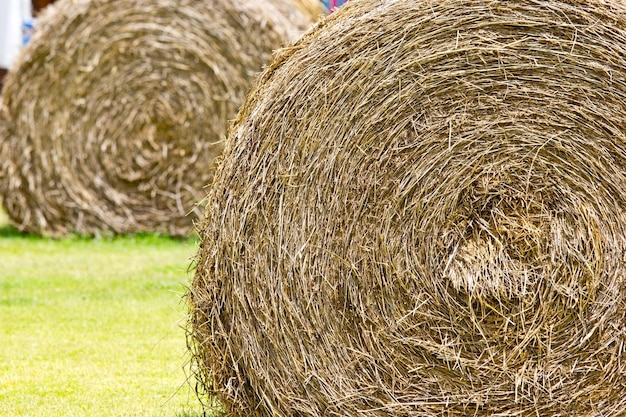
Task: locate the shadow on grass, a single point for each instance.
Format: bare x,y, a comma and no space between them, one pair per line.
7,230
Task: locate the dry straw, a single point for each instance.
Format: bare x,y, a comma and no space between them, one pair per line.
116,110
421,212
312,10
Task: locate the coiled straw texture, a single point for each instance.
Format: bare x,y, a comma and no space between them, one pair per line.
421,212
115,111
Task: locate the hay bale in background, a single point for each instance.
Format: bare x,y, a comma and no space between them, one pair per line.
116,110
313,9
421,211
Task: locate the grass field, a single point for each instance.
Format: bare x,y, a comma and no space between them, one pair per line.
92,327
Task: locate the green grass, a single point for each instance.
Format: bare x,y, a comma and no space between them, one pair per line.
92,327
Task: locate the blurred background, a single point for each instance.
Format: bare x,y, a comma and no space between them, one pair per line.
17,20
16,23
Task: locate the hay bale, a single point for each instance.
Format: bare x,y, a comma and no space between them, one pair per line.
117,110
421,211
313,9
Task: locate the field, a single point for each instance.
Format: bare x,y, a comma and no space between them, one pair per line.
93,327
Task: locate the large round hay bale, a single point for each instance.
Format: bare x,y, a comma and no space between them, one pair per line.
117,110
421,211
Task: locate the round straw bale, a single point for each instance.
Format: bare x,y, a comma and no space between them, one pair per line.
313,9
421,211
118,109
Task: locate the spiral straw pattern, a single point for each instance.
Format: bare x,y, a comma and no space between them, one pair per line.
115,111
420,211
